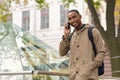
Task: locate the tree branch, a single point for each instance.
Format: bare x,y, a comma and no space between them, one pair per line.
94,14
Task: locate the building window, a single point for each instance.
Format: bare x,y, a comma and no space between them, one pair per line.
26,20
63,15
44,18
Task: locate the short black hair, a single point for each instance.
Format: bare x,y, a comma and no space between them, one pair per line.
74,10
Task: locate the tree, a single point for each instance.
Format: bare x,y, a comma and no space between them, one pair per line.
109,36
5,13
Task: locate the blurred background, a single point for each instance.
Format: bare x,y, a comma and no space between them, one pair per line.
30,32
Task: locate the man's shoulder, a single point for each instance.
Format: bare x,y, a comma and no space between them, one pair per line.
94,30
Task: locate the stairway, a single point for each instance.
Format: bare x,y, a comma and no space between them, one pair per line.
108,69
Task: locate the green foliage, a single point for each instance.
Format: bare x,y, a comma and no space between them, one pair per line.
4,10
68,2
97,3
25,2
42,3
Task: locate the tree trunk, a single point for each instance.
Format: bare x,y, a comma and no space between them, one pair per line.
112,42
95,17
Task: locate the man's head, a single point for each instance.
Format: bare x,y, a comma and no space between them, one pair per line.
74,18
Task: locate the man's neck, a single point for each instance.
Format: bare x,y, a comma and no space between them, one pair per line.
80,27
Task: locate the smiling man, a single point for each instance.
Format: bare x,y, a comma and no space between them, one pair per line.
83,62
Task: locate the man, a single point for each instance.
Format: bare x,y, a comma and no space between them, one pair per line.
83,63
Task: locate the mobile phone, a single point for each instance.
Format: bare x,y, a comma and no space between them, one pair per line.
68,25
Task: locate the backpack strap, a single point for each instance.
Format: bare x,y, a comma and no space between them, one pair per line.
90,36
101,68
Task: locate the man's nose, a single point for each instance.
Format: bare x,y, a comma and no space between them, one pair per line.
72,20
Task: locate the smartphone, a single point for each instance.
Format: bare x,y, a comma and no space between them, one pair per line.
68,26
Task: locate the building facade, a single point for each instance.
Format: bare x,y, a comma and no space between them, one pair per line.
47,23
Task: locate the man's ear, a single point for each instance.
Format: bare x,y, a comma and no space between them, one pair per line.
80,16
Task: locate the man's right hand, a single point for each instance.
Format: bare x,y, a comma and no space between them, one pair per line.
67,30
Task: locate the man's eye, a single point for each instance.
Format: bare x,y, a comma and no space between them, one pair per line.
69,18
74,16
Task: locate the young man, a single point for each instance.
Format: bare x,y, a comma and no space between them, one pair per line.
83,63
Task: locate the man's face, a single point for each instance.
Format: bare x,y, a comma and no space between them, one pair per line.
74,19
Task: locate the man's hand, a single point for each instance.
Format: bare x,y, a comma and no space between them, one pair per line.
67,30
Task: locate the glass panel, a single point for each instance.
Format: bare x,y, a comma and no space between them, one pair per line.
21,51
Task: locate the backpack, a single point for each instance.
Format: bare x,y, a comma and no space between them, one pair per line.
101,68
90,36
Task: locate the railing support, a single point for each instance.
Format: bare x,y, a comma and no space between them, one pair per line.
34,72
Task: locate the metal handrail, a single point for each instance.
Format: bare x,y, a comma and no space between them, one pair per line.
34,72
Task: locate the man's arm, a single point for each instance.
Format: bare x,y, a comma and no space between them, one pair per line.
100,47
64,46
